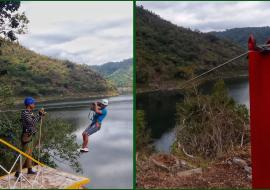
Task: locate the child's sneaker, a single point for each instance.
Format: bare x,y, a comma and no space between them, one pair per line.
84,150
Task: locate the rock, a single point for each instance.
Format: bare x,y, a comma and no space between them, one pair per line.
240,162
189,172
165,161
183,163
160,165
248,169
249,177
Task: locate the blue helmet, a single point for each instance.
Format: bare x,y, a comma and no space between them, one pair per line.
29,100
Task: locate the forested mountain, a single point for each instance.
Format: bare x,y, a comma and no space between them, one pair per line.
119,73
241,35
32,74
166,52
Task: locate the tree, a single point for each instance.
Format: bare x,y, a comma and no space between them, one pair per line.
210,125
12,21
57,142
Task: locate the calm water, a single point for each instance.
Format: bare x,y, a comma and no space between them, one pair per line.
109,163
160,109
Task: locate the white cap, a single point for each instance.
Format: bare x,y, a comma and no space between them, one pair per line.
105,102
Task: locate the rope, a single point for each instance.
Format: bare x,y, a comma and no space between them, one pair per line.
39,138
1,111
264,45
39,144
56,107
217,67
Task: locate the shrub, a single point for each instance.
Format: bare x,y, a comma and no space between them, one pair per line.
210,125
142,134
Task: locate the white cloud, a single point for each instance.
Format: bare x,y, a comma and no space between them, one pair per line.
209,16
84,32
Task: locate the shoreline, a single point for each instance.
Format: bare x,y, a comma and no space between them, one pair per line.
181,89
78,96
19,100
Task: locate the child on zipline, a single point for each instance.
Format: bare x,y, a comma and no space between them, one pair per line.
100,113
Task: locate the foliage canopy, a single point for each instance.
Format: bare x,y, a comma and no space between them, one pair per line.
12,22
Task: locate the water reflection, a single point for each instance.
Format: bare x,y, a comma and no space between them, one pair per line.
160,109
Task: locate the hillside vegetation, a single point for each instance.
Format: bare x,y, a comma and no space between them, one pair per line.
211,147
32,74
240,35
167,54
119,73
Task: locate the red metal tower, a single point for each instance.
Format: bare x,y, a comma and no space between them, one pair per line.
259,89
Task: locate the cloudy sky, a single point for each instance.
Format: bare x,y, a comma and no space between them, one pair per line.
209,16
83,32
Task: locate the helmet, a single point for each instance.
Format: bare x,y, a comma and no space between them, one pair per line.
105,102
28,101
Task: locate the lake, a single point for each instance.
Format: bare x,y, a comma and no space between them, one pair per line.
109,163
160,109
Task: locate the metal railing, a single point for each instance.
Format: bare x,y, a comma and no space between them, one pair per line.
38,179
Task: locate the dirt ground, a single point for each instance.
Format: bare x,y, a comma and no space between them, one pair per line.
222,173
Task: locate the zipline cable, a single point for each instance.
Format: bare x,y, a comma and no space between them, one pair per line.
90,116
182,86
209,71
48,108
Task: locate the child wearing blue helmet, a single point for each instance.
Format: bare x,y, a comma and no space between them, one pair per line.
100,113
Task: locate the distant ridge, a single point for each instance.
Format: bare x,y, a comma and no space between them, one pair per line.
240,35
33,74
167,53
119,73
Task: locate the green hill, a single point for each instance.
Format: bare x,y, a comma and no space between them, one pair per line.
241,35
32,74
119,73
167,53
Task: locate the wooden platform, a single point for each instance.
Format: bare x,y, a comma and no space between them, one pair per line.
52,179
